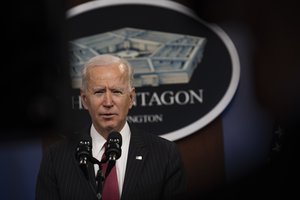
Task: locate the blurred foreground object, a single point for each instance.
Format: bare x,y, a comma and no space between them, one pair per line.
34,71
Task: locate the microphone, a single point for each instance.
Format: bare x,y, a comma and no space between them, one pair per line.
114,143
113,150
84,153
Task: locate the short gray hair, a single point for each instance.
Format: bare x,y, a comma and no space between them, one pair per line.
106,59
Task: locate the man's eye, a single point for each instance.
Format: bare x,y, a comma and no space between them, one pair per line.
117,92
99,92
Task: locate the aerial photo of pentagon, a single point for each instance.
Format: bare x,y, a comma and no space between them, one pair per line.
157,57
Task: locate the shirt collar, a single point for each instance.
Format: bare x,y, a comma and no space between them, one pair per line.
98,140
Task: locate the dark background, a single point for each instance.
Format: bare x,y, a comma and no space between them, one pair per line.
275,28
34,69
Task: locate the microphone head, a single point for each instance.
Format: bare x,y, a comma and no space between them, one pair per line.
84,153
114,143
115,137
84,147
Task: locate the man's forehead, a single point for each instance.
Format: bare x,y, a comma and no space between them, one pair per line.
120,66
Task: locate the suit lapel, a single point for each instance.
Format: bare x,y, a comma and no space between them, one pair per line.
136,157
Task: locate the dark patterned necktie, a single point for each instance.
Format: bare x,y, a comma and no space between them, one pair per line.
110,185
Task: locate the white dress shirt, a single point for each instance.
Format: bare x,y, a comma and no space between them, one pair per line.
98,150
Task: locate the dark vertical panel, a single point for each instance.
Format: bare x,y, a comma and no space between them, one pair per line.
34,68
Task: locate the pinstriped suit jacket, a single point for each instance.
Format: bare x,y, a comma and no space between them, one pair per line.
159,175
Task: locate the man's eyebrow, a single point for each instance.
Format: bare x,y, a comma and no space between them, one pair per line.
110,88
98,88
118,88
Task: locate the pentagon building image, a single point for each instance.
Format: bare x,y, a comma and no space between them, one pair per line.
156,57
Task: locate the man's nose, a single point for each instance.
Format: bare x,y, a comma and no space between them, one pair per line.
108,99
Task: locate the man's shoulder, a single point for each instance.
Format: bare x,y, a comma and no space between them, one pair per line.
55,145
62,142
150,138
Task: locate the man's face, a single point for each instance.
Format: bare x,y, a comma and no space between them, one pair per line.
108,97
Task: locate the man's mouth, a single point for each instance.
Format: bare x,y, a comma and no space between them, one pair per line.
108,115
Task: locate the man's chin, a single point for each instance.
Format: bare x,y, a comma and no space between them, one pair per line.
110,128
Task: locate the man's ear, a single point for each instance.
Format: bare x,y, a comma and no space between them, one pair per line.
83,99
132,97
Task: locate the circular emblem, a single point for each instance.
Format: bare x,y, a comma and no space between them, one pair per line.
186,70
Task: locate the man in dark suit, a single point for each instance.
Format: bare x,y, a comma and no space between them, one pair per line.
150,167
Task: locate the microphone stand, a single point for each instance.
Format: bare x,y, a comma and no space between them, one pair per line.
84,148
99,177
